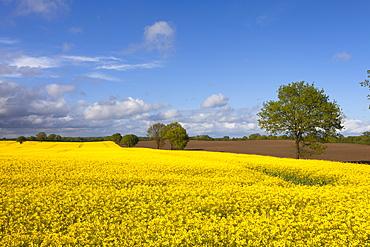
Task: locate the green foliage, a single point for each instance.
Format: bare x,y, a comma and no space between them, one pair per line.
366,83
303,112
176,135
130,140
115,138
21,139
202,138
156,134
41,136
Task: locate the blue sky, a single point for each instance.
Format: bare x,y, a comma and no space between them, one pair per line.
95,68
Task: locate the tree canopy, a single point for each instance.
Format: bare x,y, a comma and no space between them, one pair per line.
155,133
41,136
130,140
117,137
21,139
303,112
366,83
176,135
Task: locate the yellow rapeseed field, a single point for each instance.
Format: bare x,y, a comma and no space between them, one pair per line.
98,194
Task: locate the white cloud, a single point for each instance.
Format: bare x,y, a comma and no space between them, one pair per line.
82,58
34,62
56,91
355,127
170,115
160,36
113,109
124,67
99,77
341,57
45,8
8,41
20,101
215,100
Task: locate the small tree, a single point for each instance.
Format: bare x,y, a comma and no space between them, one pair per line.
41,136
366,83
130,140
176,135
305,113
21,139
115,137
155,133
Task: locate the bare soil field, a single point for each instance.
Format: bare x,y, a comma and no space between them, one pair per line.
278,148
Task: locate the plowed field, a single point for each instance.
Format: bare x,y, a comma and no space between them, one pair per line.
278,148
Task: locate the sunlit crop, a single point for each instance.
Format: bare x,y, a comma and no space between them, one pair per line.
99,194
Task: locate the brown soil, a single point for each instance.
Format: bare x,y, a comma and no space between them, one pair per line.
278,148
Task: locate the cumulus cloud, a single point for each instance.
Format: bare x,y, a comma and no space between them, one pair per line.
160,37
56,91
341,57
215,100
355,127
26,111
14,71
19,101
115,109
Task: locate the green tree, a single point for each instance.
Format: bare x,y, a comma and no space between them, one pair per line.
52,137
41,136
155,132
254,136
305,113
117,137
130,140
176,135
21,139
366,83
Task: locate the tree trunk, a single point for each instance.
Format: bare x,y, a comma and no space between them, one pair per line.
298,148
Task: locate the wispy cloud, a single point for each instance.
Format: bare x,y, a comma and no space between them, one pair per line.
341,57
67,47
8,41
75,30
35,62
124,67
101,77
89,59
44,8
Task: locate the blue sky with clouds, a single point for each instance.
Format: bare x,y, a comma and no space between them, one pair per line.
95,68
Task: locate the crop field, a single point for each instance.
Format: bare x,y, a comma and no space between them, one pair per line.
345,152
99,194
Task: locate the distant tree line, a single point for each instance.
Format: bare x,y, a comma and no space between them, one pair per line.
363,139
